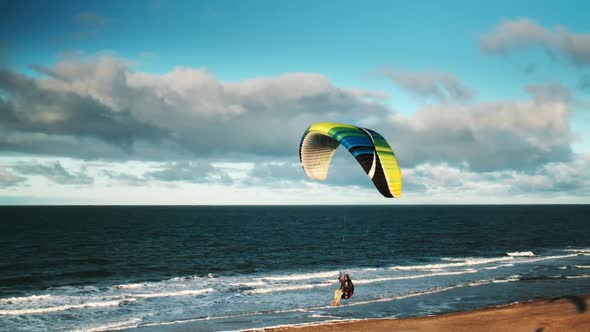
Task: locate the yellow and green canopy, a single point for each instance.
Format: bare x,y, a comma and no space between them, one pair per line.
320,141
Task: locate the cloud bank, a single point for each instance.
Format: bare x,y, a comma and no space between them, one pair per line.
100,108
183,126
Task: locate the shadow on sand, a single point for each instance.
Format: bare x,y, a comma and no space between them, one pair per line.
579,302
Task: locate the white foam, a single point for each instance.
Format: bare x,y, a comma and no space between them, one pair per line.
32,298
250,284
512,278
453,259
578,277
521,254
320,316
432,291
417,276
64,302
130,286
171,281
302,276
329,307
71,298
498,266
579,250
193,277
309,324
530,260
126,324
187,292
401,297
287,288
30,311
464,262
247,314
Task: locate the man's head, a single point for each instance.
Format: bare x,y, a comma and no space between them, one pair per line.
346,277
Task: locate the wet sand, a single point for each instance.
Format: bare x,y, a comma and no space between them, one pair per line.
559,314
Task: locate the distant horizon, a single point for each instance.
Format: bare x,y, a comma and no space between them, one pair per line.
183,103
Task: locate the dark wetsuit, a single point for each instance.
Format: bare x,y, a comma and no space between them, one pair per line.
347,288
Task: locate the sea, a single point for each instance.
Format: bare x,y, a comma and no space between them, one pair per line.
230,268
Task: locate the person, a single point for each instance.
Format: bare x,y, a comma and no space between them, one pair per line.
345,291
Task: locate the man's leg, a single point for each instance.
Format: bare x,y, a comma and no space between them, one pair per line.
337,297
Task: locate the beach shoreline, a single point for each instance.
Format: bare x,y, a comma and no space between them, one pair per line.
566,313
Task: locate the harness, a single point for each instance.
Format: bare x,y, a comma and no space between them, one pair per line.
347,288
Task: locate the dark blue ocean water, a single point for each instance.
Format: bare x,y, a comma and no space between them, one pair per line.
230,268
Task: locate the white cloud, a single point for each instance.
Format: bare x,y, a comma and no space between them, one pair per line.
524,33
54,172
194,172
438,85
570,179
9,178
190,110
487,136
101,108
188,122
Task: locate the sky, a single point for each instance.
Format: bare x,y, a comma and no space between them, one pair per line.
205,102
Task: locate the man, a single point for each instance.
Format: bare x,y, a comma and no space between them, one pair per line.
345,291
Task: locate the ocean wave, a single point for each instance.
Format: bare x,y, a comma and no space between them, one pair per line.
250,284
302,276
582,266
543,258
131,286
416,276
578,250
497,266
30,311
452,259
52,303
112,326
31,298
330,307
512,258
321,316
308,324
208,276
578,276
521,254
287,288
159,283
463,262
185,292
435,290
542,278
511,278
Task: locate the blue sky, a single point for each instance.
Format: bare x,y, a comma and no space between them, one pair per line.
494,97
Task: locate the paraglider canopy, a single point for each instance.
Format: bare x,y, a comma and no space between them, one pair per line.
320,141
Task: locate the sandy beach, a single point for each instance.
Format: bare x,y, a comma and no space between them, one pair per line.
557,314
